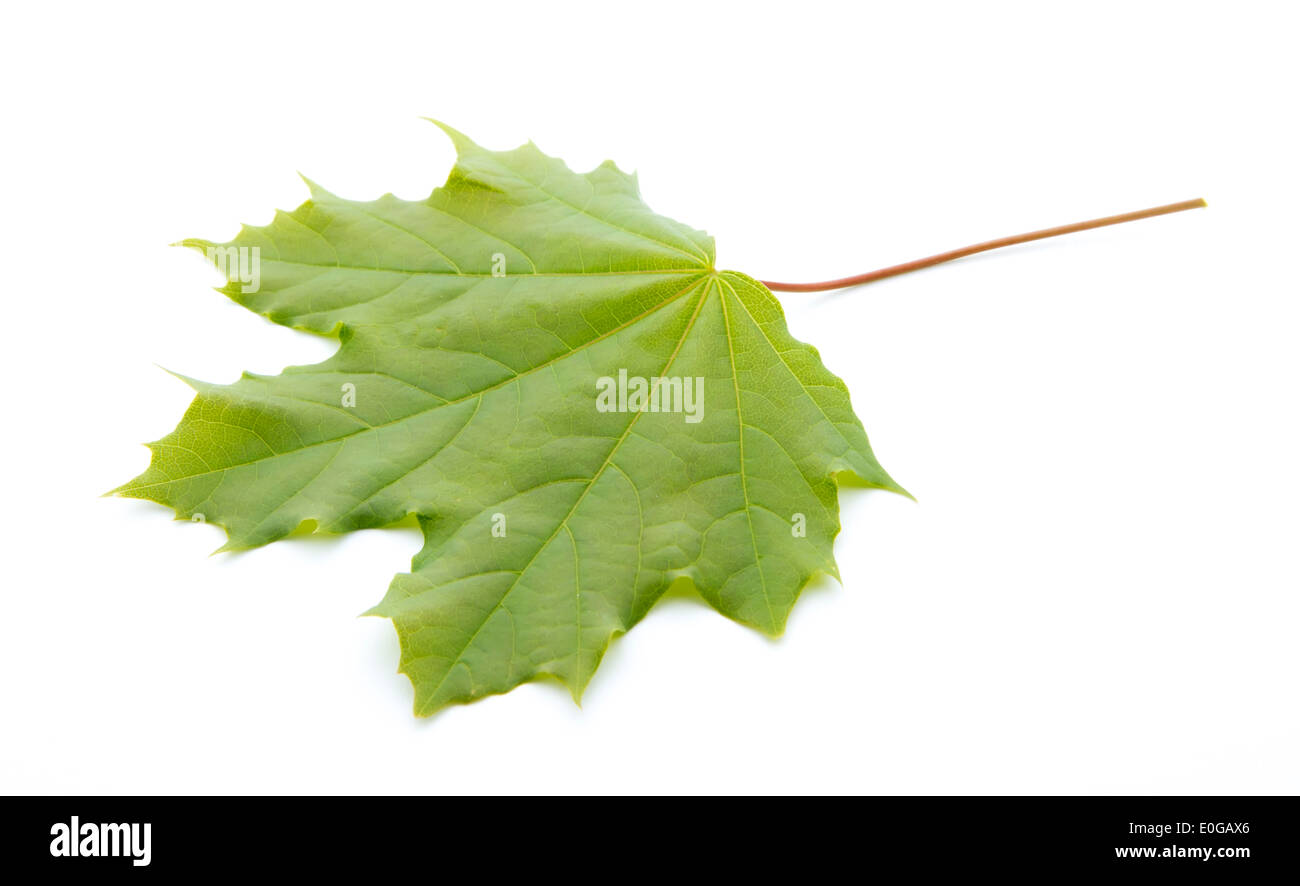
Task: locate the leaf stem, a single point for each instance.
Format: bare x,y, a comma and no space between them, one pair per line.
918,264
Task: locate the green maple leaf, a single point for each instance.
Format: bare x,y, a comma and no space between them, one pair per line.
475,328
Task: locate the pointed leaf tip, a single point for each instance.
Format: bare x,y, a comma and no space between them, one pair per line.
462,142
313,187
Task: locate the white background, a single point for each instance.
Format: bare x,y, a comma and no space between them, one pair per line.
1097,591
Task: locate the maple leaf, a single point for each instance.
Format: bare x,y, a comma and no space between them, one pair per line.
579,408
